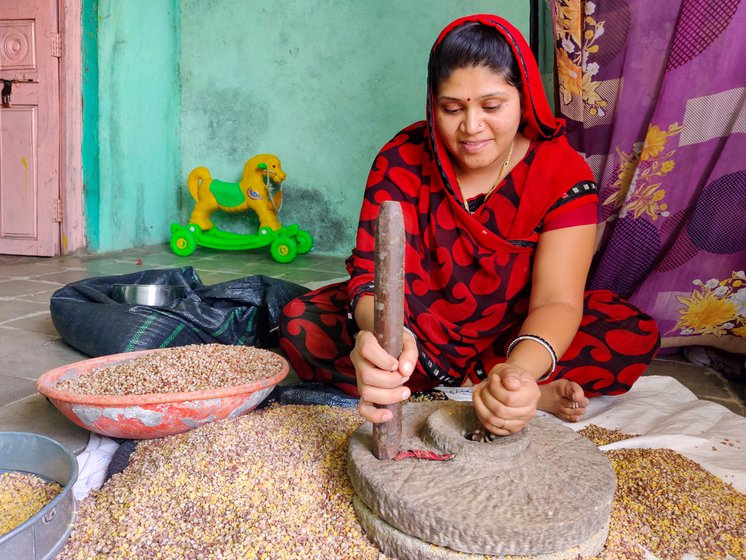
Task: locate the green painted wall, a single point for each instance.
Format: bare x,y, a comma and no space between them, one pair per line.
90,144
130,192
323,84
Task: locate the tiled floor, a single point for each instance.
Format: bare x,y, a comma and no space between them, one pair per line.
30,345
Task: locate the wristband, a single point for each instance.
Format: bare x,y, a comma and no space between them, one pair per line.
364,290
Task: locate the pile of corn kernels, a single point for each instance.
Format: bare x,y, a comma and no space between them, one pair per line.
22,495
273,485
197,367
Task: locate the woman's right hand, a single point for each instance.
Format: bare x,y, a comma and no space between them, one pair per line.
381,378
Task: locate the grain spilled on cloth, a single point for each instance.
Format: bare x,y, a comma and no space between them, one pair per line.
669,505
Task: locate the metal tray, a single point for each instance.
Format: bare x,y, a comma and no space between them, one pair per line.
146,294
45,533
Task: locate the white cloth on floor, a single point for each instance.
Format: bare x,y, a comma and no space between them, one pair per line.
665,414
92,465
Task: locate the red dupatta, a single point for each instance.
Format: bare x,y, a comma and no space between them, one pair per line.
538,124
467,277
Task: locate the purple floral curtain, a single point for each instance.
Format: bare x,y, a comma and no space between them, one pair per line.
653,93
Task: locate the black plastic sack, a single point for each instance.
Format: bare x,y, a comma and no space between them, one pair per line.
308,392
238,312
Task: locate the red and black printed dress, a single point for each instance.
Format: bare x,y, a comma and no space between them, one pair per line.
468,275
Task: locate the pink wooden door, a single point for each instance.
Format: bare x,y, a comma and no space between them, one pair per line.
30,128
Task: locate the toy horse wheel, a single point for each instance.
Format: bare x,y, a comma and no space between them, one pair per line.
283,249
182,242
304,241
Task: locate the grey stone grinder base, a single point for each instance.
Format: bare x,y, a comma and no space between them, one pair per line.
544,492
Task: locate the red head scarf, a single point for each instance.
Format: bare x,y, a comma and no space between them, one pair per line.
537,115
542,188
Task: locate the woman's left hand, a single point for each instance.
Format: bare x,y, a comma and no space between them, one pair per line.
506,400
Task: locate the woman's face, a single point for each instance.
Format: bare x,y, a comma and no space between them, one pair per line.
477,114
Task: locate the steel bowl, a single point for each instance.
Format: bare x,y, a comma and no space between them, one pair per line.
152,415
43,534
146,294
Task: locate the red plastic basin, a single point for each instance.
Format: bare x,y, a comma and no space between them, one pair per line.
153,415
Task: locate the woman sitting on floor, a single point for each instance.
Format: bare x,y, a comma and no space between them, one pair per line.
500,218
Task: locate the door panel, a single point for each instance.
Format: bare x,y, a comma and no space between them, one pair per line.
29,129
19,201
17,39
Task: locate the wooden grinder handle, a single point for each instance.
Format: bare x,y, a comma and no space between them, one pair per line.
388,317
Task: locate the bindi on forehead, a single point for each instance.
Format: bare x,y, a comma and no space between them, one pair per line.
468,99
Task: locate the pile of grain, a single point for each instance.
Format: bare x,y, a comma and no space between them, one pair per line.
271,484
669,505
603,436
197,367
22,495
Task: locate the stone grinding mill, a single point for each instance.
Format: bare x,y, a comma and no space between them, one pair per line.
544,492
